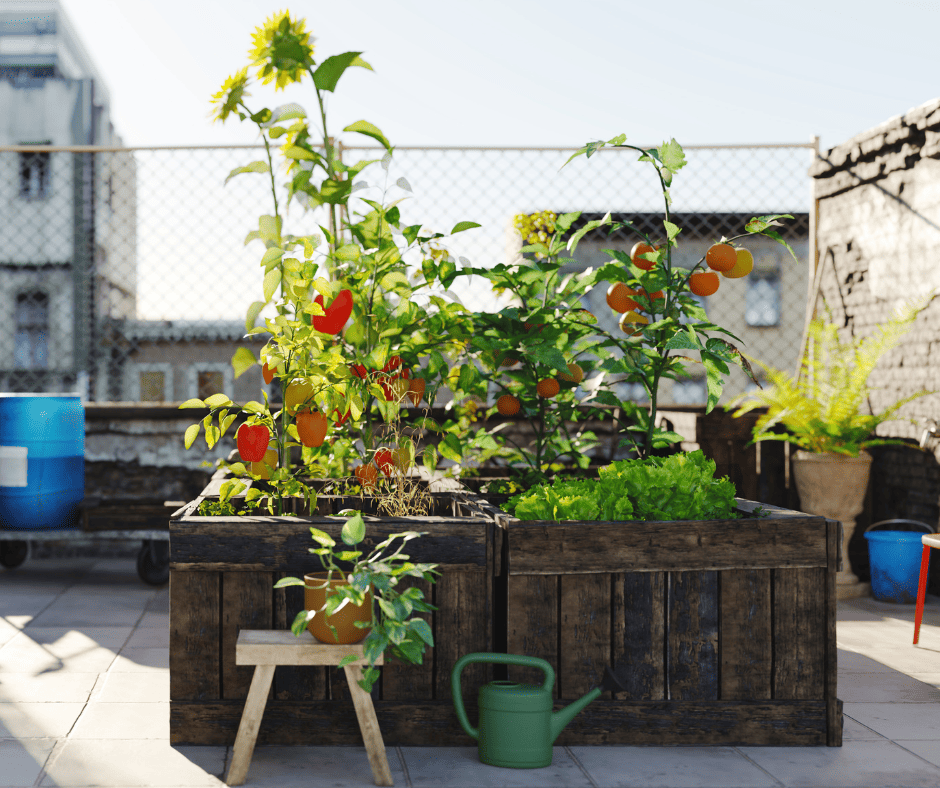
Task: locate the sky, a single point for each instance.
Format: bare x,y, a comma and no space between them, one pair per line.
521,72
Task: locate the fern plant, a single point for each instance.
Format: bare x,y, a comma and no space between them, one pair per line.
821,410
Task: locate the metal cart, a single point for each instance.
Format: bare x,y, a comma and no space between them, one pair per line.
128,519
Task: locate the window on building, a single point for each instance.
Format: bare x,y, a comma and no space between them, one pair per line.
34,176
152,386
31,331
209,382
762,303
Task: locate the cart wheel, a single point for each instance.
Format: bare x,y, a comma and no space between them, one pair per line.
12,554
153,563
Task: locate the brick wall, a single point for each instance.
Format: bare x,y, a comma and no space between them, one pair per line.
878,240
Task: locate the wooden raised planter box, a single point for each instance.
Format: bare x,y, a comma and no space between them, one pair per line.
723,631
222,573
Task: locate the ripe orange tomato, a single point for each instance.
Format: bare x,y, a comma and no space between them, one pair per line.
704,283
641,247
574,374
548,388
618,297
631,321
721,257
508,405
267,373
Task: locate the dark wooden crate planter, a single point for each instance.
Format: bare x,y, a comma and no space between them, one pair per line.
724,631
222,573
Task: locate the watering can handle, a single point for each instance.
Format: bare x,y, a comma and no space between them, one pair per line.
929,528
502,659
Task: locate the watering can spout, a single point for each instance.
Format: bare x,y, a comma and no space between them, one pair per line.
563,716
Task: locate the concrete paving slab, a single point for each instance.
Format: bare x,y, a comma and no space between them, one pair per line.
149,687
899,720
124,721
17,621
302,767
928,750
856,764
23,760
38,720
884,688
150,637
64,640
127,762
154,619
160,602
22,655
460,767
7,631
672,767
904,659
49,687
85,610
933,679
889,633
142,660
853,730
853,662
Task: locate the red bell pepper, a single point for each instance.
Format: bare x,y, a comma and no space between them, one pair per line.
252,441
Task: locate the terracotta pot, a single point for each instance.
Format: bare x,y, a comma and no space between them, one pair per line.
343,620
834,486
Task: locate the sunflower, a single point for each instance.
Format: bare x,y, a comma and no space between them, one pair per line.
230,96
281,50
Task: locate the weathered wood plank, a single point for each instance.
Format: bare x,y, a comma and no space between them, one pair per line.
423,723
532,624
746,636
295,683
403,680
195,670
639,634
800,634
833,704
462,624
584,634
692,636
540,547
246,604
281,544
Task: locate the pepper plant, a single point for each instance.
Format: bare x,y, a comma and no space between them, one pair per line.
348,333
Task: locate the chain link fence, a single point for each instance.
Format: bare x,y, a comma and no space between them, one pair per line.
124,273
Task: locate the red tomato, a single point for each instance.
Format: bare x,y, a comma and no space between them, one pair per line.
252,442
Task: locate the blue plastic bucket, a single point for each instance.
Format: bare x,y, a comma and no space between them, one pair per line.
42,460
894,557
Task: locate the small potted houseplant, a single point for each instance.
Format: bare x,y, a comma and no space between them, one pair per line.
367,584
823,410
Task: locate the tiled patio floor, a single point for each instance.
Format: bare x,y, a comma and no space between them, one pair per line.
84,701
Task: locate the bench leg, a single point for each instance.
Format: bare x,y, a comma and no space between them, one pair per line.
369,725
250,723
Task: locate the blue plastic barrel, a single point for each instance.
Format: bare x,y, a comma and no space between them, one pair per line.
894,557
42,460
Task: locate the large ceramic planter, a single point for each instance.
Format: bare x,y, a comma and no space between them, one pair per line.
834,486
723,630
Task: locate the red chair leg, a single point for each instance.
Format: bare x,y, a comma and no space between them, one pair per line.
921,592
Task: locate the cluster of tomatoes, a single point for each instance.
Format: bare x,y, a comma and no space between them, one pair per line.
510,405
722,258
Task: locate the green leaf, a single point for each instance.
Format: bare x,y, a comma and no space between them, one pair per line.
255,166
330,70
242,361
296,152
348,252
253,311
672,230
367,129
192,432
461,226
271,281
271,255
564,222
193,403
322,538
348,660
592,225
354,530
218,401
420,627
285,582
450,448
672,155
394,280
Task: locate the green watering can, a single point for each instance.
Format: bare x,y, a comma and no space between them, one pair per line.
517,725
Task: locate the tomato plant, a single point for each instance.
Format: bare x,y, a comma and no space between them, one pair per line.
668,324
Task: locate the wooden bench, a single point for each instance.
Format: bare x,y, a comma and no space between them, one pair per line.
266,649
